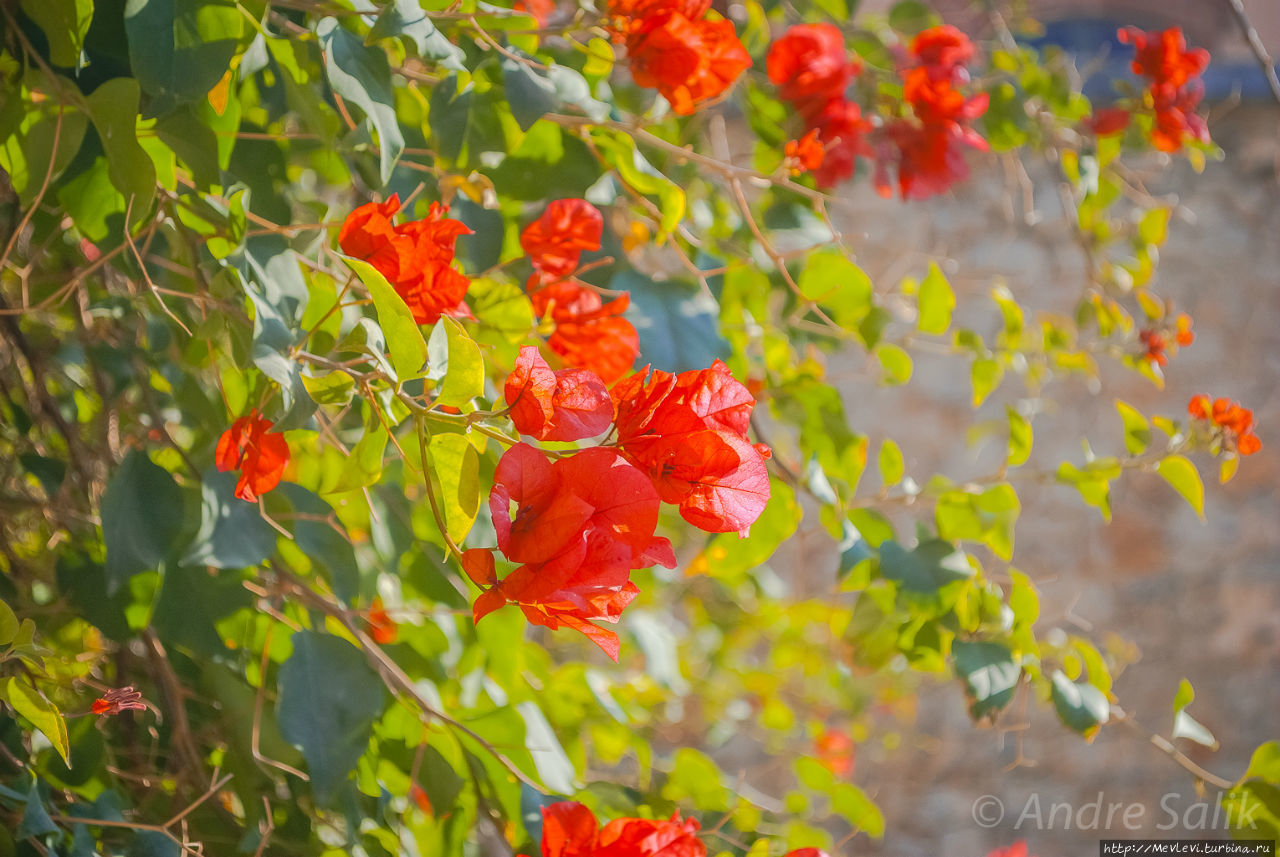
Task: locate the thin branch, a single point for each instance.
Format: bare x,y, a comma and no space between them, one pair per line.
1255,44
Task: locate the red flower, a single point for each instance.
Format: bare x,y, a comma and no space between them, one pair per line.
631,17
583,523
842,130
942,50
930,158
258,455
811,64
1182,326
571,404
379,625
117,700
1017,849
415,257
936,101
1108,121
807,852
571,830
541,10
1155,343
1176,119
589,333
834,750
1234,423
556,239
687,61
688,432
1163,57
805,154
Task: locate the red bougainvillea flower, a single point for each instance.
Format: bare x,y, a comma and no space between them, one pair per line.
1176,119
541,10
936,101
1234,423
589,333
688,432
581,525
569,829
1017,849
811,65
555,240
1108,121
843,131
834,749
632,17
258,454
687,61
805,154
1155,344
943,51
930,158
1182,330
117,700
379,625
416,257
571,404
1163,57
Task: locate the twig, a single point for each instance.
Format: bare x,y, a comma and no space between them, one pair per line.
1255,44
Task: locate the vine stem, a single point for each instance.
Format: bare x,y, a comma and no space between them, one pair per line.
1164,745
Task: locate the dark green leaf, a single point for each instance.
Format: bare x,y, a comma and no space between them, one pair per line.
989,674
141,517
925,568
232,532
360,74
180,49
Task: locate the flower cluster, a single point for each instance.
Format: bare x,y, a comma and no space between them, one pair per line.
258,453
929,148
1174,89
1157,342
583,521
589,333
1231,425
570,829
379,625
416,257
812,68
674,48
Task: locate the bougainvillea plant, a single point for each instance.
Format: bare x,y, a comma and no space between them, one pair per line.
360,360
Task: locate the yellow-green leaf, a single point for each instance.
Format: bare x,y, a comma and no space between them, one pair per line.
891,464
1137,432
455,364
42,713
8,624
1020,438
457,468
985,375
405,346
896,363
937,300
1179,472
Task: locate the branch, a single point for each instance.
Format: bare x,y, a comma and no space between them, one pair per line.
1255,44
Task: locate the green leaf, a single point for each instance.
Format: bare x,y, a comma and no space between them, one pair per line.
27,135
180,49
990,675
895,362
695,778
1137,432
1179,472
891,464
1186,726
1082,707
407,18
1020,438
232,532
454,362
858,810
405,345
42,713
65,23
912,16
554,768
676,322
329,700
457,468
729,557
8,624
332,388
141,517
937,300
1153,228
831,279
985,375
113,107
1093,483
501,308
926,568
35,818
360,74
534,92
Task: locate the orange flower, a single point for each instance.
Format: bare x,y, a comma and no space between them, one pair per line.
1156,345
1234,424
804,154
589,334
258,455
1163,56
1184,336
834,750
687,61
380,626
415,257
117,700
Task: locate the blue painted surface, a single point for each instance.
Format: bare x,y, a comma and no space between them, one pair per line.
1091,38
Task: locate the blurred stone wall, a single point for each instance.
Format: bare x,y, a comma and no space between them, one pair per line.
1199,600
